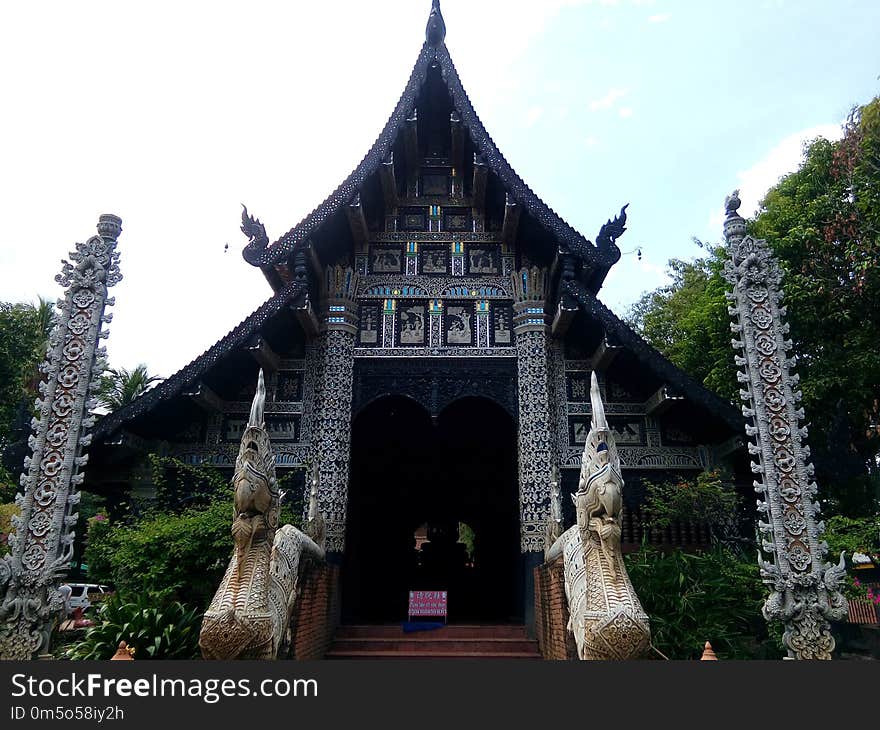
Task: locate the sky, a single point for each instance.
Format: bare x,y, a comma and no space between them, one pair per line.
172,114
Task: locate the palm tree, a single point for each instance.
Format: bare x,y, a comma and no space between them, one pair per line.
120,386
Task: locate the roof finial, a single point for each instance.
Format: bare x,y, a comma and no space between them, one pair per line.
435,32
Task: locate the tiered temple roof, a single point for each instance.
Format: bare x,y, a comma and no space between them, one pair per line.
435,119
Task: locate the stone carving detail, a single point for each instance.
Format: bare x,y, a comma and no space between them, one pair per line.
535,421
804,589
249,616
42,539
605,615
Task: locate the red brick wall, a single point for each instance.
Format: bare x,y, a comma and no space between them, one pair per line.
316,613
551,613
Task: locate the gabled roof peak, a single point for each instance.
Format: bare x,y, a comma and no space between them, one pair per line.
435,32
596,259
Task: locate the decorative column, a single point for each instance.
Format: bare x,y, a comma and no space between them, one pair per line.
331,423
535,422
42,540
804,589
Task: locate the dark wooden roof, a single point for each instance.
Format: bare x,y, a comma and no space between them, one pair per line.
189,374
596,259
653,359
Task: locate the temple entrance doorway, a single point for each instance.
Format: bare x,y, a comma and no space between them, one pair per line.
433,505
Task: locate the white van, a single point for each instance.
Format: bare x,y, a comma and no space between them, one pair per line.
79,595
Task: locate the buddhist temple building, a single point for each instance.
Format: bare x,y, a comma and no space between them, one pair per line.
428,339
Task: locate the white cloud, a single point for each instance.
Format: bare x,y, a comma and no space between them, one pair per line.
659,18
625,112
785,157
590,142
609,100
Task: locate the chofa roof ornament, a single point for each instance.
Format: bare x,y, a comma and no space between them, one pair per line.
435,32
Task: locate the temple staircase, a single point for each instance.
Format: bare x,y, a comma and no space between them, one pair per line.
495,641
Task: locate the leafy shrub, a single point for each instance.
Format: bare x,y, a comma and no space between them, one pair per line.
180,555
708,500
854,535
177,551
714,596
155,628
180,485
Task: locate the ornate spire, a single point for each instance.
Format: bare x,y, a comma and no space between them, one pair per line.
43,537
805,593
435,32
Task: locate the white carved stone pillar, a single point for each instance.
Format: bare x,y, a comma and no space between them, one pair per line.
535,419
42,539
331,418
804,589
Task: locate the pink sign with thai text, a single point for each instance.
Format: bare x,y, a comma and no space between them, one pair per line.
427,603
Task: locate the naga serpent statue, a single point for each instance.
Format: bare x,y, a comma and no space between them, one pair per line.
605,615
249,616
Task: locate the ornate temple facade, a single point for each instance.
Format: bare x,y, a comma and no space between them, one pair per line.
428,348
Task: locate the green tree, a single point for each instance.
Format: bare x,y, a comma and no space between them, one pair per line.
823,223
24,334
120,386
687,321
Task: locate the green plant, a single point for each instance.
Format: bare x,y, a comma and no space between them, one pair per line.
852,534
153,626
713,596
708,499
176,553
178,545
120,386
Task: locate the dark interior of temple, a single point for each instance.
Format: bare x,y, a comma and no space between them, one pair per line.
414,477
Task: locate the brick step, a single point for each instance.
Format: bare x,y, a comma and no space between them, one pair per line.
453,631
458,641
424,644
333,654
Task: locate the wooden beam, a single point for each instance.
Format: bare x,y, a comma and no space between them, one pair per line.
481,175
411,142
204,397
457,142
128,440
562,320
660,402
308,320
389,184
511,223
354,211
262,352
726,448
603,355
